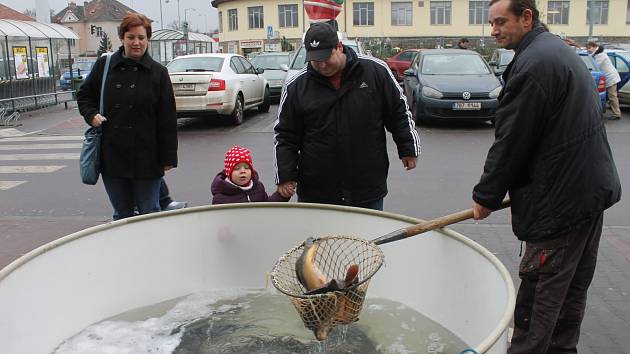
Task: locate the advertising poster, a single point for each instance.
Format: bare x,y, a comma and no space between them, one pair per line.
21,66
42,61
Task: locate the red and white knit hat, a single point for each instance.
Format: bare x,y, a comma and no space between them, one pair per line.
234,156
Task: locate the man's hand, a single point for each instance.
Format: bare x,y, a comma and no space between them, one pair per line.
409,162
479,211
98,120
287,189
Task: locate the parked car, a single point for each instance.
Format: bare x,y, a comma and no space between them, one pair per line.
451,84
401,62
271,64
80,70
224,84
297,62
599,79
621,61
500,59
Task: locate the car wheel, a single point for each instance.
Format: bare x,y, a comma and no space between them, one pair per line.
237,114
264,107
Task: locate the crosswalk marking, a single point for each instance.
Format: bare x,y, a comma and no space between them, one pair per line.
40,146
30,157
10,132
43,138
4,185
31,169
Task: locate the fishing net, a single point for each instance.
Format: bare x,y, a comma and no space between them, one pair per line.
335,254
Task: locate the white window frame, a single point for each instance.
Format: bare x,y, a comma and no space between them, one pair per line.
441,12
478,12
562,17
363,12
220,21
256,17
288,15
402,13
601,12
232,19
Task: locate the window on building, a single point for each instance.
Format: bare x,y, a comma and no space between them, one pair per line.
402,13
628,13
232,20
255,15
600,12
363,13
288,15
477,12
558,12
440,12
220,21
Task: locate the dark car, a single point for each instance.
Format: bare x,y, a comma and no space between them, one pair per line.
451,84
500,59
272,65
79,71
401,62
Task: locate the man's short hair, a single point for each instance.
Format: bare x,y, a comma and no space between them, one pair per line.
464,40
518,6
592,44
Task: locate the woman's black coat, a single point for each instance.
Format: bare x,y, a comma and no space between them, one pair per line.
140,134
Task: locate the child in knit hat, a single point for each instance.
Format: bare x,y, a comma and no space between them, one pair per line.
239,182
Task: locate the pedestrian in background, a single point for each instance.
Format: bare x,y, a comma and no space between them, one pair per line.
238,182
551,154
330,133
463,43
139,141
612,77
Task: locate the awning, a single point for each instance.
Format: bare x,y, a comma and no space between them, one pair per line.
15,28
174,35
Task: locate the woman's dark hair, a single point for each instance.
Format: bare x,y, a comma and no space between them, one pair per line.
518,6
132,20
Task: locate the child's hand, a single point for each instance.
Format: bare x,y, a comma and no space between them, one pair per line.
287,189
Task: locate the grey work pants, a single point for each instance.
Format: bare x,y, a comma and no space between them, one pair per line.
555,276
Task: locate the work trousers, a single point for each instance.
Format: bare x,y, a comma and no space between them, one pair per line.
555,276
613,99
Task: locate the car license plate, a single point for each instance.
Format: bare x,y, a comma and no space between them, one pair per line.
184,87
469,106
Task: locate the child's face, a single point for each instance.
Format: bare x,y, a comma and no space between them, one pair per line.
241,174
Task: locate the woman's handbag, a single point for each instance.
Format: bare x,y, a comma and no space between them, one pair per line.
90,158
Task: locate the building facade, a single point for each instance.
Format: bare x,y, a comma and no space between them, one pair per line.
247,25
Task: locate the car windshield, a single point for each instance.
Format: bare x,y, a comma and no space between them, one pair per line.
589,62
83,65
272,62
195,64
454,64
505,58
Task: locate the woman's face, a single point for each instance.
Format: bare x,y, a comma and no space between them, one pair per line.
136,42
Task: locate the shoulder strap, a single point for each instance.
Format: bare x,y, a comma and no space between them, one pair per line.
105,71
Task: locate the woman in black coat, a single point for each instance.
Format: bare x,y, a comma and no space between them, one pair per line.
139,141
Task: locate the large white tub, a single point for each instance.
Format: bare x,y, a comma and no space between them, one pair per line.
57,290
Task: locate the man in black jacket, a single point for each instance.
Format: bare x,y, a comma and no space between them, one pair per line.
552,155
330,132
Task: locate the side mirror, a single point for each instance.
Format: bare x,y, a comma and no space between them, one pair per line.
284,67
409,72
260,70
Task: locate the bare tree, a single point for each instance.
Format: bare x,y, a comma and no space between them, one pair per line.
30,12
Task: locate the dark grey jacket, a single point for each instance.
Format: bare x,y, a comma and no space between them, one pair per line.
333,141
551,151
140,134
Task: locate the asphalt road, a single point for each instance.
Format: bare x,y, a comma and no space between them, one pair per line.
43,206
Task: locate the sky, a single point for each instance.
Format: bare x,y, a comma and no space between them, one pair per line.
203,17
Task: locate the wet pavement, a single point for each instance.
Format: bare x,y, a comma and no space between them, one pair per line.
43,198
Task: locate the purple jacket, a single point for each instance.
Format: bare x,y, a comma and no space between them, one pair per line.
224,192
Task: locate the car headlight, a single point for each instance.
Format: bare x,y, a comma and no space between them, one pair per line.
431,92
495,93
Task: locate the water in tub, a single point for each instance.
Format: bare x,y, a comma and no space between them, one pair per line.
258,321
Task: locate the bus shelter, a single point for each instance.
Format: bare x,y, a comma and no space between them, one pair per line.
167,44
32,56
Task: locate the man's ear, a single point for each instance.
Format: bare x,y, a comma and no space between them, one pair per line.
528,18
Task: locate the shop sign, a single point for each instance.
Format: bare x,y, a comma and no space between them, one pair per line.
251,44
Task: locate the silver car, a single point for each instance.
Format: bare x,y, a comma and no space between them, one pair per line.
271,63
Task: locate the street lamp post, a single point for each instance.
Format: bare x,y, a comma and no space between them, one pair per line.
590,20
161,16
179,17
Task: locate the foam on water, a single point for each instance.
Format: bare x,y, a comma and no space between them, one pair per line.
261,321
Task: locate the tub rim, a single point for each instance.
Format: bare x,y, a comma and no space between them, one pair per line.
482,347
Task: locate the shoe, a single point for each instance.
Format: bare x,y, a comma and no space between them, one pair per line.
176,205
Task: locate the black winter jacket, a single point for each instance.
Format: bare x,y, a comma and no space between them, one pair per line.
332,142
551,152
140,134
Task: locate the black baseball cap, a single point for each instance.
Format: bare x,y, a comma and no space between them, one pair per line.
319,41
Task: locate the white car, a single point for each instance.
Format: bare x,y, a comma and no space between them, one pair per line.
224,84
